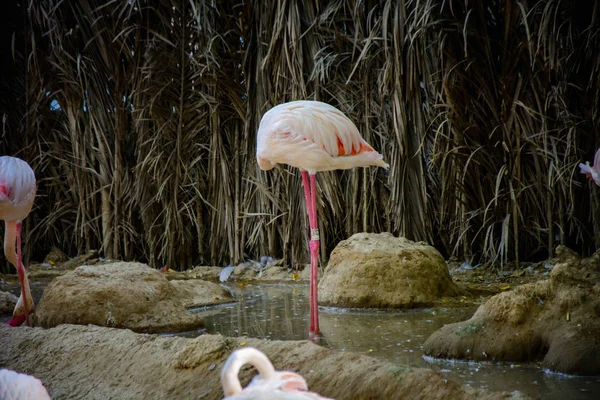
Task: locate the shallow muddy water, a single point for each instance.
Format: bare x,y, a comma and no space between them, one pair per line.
281,312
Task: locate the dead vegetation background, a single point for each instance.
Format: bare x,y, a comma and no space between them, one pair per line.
139,118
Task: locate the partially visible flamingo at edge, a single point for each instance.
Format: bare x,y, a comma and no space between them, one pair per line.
312,136
17,192
269,384
593,171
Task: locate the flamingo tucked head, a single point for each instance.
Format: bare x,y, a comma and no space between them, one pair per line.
269,384
265,164
592,172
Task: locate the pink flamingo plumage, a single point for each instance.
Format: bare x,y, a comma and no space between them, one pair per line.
17,192
592,172
312,136
269,384
15,386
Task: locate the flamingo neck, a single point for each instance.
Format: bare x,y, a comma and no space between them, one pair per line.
229,375
10,240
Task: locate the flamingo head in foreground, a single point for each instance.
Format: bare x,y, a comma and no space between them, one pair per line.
269,384
593,171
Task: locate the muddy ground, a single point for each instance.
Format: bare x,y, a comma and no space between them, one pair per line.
92,362
85,362
556,320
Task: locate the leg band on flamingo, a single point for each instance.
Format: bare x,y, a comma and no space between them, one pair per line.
310,195
314,305
314,235
314,253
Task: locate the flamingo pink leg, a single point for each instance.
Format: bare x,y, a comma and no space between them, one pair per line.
16,321
310,195
21,272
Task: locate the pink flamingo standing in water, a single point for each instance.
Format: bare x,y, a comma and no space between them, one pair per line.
312,136
17,191
269,384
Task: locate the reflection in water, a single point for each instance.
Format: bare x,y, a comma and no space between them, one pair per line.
280,312
271,311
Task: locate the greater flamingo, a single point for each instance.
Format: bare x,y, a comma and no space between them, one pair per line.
17,191
593,172
15,386
312,136
269,384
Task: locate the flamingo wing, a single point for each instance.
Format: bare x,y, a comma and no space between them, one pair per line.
329,128
312,136
320,123
597,161
17,180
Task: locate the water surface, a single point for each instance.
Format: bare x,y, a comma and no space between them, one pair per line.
281,312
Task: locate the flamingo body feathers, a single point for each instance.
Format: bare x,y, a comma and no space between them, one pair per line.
269,384
312,136
17,189
15,386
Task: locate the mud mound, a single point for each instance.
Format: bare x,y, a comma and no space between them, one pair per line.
556,320
196,293
85,362
120,294
383,271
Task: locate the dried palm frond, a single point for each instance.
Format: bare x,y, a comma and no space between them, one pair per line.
140,119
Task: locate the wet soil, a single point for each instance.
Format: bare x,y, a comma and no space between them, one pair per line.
80,362
479,284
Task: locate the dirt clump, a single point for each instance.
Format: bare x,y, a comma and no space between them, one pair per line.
250,271
206,273
556,320
55,256
122,294
382,271
196,292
